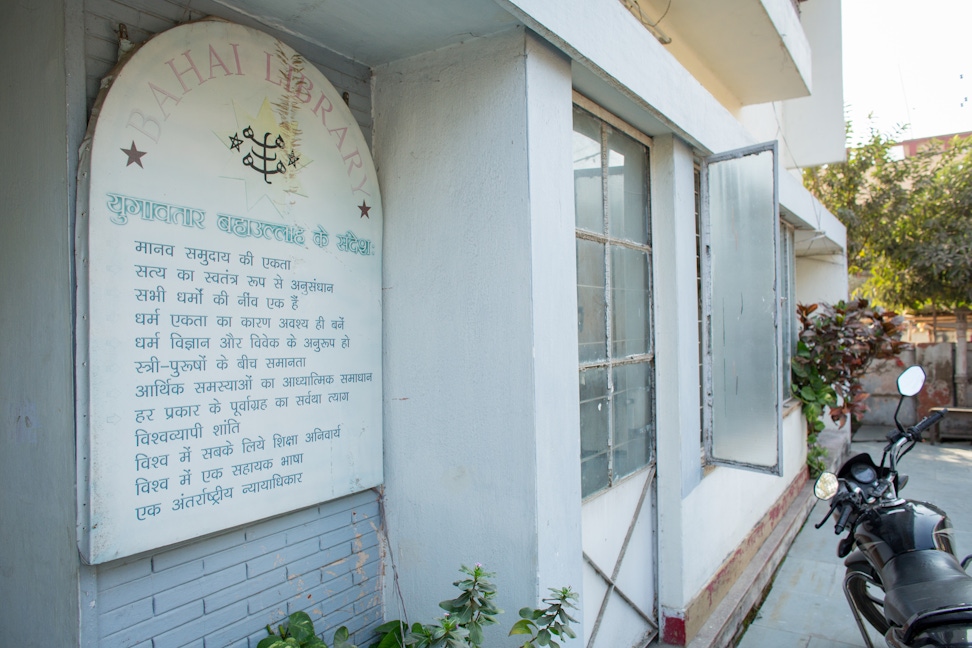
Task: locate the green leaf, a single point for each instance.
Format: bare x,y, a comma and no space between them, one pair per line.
272,641
543,637
523,626
475,634
341,638
300,627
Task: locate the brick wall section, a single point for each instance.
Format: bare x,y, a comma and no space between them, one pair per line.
220,592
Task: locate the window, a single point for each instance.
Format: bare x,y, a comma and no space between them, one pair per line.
614,320
742,303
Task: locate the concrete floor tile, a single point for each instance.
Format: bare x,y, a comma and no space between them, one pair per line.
762,637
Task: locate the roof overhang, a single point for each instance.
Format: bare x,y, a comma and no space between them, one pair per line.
374,32
757,49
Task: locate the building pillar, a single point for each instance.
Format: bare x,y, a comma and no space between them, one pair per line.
677,368
473,150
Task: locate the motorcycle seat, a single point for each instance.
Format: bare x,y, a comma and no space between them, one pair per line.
921,581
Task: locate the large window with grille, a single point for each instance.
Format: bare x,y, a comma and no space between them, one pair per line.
614,318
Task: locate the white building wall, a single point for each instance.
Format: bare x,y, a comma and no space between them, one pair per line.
821,278
677,395
702,520
472,145
810,129
728,503
473,151
815,124
38,554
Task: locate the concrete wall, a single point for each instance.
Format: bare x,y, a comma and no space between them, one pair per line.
821,278
473,151
733,501
38,555
880,382
938,361
219,591
810,129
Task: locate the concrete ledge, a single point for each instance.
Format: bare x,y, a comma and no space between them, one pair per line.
727,622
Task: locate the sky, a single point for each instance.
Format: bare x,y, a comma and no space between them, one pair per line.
909,63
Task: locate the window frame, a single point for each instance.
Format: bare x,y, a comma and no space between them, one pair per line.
705,236
789,323
610,241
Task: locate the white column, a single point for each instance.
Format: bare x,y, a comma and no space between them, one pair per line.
677,348
472,145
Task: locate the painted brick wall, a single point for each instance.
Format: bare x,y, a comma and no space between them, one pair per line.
220,592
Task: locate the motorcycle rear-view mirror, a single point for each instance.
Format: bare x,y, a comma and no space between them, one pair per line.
826,486
911,381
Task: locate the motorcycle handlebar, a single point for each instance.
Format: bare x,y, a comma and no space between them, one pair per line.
916,430
842,520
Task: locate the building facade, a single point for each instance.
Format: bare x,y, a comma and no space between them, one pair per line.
594,237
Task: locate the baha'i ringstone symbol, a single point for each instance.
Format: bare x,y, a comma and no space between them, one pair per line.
262,155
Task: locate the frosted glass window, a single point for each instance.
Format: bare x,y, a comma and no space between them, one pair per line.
595,429
633,417
630,299
588,190
591,301
614,323
744,335
627,188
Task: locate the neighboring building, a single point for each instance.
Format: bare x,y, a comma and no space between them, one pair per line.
589,279
912,147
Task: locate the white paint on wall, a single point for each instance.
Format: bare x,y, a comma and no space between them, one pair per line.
472,145
677,365
38,554
727,504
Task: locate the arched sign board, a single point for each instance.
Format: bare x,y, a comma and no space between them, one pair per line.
229,293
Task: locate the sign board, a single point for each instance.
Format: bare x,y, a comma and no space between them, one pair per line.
229,293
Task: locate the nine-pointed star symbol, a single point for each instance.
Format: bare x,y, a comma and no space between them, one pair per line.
364,210
235,142
134,155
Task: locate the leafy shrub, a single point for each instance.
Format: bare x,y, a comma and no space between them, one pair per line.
835,348
298,632
465,616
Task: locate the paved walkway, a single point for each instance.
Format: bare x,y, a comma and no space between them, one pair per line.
805,607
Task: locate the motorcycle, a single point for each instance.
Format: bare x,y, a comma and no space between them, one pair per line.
903,575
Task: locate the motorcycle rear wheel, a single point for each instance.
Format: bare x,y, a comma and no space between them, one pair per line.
863,587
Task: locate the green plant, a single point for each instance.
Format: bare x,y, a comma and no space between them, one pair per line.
298,632
447,633
465,616
836,346
542,624
474,608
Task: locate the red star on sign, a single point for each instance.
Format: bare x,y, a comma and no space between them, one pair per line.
134,155
364,210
